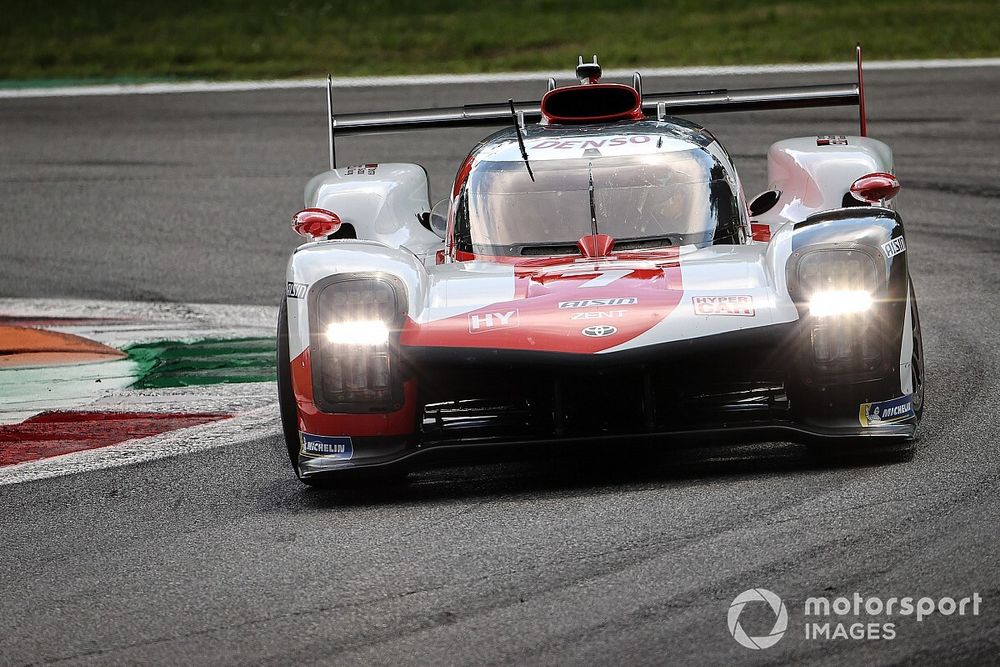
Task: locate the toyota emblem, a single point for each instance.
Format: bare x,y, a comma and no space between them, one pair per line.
599,331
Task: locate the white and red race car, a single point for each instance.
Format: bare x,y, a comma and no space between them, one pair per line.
597,276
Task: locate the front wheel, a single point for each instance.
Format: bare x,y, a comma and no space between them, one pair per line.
286,396
917,358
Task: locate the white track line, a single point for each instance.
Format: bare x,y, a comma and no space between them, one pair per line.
261,422
500,77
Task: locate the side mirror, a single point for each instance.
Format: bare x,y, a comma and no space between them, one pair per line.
315,223
764,202
439,218
875,188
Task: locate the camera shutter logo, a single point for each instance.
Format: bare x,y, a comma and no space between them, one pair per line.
777,606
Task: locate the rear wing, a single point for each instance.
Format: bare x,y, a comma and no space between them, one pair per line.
655,105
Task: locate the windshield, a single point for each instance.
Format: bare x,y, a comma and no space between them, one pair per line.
675,198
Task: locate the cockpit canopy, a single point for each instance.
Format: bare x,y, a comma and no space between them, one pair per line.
648,192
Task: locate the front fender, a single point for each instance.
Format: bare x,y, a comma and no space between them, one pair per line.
859,377
313,262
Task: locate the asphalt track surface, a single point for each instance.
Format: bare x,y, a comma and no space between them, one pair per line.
223,557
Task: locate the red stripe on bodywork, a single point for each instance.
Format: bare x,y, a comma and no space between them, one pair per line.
533,320
55,433
311,420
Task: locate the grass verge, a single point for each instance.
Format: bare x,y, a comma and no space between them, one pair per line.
226,39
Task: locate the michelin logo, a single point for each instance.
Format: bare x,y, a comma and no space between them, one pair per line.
886,412
338,448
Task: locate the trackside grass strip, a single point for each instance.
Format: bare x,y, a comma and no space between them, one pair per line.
136,40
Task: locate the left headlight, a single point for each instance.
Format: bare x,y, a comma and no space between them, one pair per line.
827,303
841,275
839,286
356,361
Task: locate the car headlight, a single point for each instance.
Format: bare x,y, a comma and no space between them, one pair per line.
842,271
828,303
839,286
360,332
356,361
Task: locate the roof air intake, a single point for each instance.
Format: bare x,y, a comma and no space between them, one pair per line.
591,103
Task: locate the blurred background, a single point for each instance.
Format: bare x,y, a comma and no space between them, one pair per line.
137,40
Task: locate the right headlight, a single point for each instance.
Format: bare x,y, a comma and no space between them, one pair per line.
358,332
355,357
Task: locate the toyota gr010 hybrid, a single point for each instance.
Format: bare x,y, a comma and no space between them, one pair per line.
597,275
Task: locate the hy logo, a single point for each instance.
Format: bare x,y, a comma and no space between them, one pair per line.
780,614
483,322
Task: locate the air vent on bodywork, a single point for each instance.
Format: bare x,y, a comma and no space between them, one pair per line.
592,103
686,390
554,249
549,250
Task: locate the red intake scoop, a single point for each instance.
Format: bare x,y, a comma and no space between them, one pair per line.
595,245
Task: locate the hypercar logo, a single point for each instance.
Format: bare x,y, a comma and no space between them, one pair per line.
296,290
886,412
483,322
894,247
599,331
597,303
724,305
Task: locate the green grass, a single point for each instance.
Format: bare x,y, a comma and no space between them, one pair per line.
225,39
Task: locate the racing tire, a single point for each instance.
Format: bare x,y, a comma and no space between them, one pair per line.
286,396
917,359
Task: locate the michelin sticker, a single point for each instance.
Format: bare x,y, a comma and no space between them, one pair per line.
338,448
886,412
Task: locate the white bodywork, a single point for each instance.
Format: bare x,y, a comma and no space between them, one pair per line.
813,177
383,202
384,207
436,292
